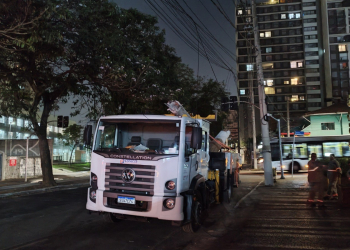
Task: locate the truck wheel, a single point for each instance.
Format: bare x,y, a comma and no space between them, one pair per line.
197,215
110,218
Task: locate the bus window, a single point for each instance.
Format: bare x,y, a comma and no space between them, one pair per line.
345,148
315,148
300,151
332,148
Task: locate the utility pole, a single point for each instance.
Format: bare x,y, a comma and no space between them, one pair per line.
288,119
263,109
251,89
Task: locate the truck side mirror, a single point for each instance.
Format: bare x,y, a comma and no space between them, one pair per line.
87,135
196,139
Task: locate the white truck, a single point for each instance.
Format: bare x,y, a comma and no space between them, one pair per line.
154,166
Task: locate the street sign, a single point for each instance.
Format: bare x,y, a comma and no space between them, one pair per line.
299,133
13,162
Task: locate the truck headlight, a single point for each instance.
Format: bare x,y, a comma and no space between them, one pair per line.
93,195
170,185
169,203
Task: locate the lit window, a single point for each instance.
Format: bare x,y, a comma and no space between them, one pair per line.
269,91
302,98
297,15
2,119
10,120
262,34
300,64
294,98
26,124
269,82
248,11
268,50
291,15
242,91
293,64
240,12
283,16
250,67
294,81
286,82
342,47
268,34
19,122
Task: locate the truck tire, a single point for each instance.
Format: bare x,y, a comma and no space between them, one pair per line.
110,218
197,215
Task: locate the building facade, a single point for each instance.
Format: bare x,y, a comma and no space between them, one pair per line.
13,128
304,56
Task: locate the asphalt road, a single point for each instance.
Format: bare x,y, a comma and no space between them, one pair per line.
257,218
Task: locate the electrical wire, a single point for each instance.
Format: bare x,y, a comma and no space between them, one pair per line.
211,47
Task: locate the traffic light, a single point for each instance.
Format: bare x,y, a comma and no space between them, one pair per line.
59,121
65,121
233,103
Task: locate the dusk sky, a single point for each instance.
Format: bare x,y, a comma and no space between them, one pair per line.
217,32
215,23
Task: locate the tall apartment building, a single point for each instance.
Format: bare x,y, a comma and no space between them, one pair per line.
304,55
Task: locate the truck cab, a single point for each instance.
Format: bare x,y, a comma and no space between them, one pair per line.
144,166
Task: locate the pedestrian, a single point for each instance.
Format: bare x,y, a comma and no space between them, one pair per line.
333,172
237,172
316,179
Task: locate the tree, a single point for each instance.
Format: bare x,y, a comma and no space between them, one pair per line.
15,22
71,48
71,137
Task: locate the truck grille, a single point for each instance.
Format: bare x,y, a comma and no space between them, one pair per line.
143,183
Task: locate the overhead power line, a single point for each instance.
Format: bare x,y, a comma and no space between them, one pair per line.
184,22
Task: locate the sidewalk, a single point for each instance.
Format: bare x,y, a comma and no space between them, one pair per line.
65,180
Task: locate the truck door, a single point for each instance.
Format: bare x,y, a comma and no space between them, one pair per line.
203,155
191,155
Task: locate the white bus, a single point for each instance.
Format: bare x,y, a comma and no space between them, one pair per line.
323,146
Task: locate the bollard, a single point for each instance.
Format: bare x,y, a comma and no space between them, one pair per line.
274,174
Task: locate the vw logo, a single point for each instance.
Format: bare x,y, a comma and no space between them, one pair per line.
128,175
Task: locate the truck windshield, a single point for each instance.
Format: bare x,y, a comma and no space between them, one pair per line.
147,137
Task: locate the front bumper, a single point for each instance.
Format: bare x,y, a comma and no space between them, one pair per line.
154,208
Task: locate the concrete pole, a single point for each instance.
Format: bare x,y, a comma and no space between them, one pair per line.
288,119
263,109
251,89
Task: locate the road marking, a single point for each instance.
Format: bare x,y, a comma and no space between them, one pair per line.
239,202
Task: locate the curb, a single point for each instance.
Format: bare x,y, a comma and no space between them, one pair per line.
44,190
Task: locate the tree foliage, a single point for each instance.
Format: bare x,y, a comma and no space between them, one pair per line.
71,48
112,60
72,137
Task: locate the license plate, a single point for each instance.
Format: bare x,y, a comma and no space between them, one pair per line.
126,200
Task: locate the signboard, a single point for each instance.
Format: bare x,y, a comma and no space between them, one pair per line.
13,162
299,133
